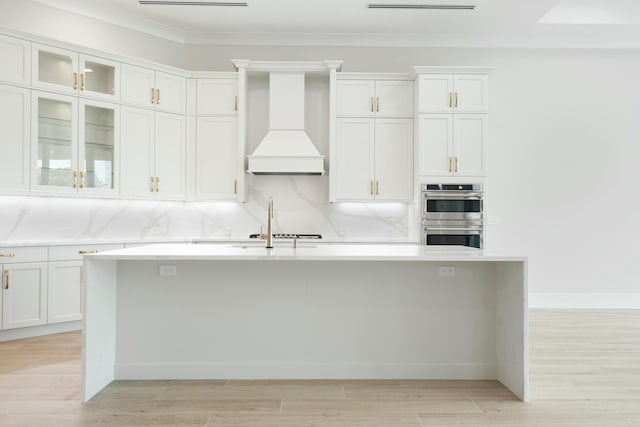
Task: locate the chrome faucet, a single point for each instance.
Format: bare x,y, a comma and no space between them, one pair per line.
269,235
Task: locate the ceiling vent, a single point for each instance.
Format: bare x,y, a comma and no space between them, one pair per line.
422,6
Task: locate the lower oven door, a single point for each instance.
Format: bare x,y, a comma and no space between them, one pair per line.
460,236
448,206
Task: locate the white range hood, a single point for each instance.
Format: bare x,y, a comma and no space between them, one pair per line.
286,149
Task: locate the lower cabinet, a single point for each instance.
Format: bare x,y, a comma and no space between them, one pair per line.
65,291
24,294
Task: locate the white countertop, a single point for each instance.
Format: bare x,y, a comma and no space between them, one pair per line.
304,252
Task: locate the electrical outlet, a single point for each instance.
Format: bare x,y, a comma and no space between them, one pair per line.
446,271
167,270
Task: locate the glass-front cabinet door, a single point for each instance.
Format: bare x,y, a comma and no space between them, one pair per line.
98,146
68,72
55,142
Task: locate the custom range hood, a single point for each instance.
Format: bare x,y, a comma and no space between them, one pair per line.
286,149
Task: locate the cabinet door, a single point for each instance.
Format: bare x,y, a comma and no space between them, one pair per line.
217,96
354,159
98,138
24,299
471,93
137,84
435,93
170,155
54,133
394,159
355,98
14,138
55,69
217,165
394,98
99,78
171,93
470,142
136,148
15,66
436,144
64,291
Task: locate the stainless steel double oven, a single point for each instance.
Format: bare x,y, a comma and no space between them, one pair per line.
452,214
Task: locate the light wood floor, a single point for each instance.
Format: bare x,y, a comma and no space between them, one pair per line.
585,371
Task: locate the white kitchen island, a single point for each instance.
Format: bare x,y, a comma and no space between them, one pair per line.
313,312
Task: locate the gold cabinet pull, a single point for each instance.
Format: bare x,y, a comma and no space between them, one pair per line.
75,81
456,163
450,100
377,104
377,188
87,252
456,99
371,187
158,96
372,104
75,179
152,188
82,81
450,164
6,279
235,186
153,96
81,179
157,184
7,255
235,103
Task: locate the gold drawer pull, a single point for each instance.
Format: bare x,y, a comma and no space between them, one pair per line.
82,81
456,99
75,81
371,187
152,189
372,104
235,186
6,279
235,104
377,105
377,188
157,184
153,96
7,255
158,96
450,164
75,179
456,164
450,99
87,252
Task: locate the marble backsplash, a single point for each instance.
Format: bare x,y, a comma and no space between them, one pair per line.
301,205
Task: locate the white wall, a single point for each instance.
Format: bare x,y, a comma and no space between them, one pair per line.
564,153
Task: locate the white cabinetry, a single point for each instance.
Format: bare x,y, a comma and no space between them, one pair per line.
217,96
374,159
369,98
15,66
154,89
373,150
217,166
74,144
24,286
69,72
65,288
14,138
452,121
153,154
448,93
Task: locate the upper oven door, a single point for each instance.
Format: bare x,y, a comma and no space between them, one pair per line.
451,206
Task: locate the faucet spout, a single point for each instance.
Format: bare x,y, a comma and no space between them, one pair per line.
269,236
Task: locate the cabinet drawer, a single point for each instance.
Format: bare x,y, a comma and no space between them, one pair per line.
73,252
23,254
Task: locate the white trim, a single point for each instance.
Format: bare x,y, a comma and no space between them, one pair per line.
37,331
584,300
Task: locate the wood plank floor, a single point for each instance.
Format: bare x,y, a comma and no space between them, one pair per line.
585,371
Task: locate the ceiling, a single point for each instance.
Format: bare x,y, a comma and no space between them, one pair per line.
493,23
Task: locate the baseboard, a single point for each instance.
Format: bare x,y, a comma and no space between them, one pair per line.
584,300
37,331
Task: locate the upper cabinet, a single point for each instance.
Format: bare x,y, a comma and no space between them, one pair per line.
217,97
69,72
15,66
147,88
14,138
448,93
374,98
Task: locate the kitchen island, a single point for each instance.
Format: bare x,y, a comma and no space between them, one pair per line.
181,311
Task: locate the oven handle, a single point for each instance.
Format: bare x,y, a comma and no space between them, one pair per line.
453,195
478,229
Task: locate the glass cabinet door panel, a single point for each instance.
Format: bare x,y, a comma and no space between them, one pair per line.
55,147
56,68
99,142
98,77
